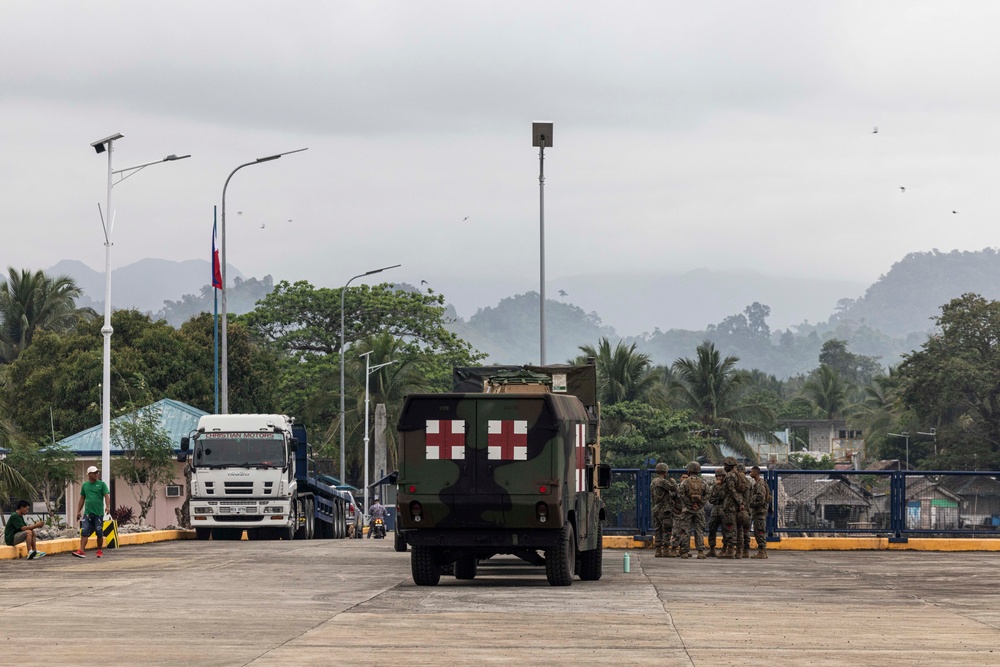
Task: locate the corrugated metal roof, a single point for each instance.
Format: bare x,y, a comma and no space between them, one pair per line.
177,418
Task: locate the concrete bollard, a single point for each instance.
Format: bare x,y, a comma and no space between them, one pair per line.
627,563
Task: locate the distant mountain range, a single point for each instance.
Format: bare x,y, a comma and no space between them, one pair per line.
144,285
674,310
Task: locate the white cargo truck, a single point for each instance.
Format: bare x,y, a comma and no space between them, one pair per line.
255,473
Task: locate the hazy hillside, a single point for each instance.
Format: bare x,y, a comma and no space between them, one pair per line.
676,312
905,299
144,285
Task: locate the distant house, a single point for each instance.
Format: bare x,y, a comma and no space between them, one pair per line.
178,419
827,502
830,437
929,504
979,499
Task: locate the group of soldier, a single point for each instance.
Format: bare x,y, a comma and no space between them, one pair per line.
738,501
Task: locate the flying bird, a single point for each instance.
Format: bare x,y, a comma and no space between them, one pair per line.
562,292
262,225
465,218
423,282
875,131
954,211
902,189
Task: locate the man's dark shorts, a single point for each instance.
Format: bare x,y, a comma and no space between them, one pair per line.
91,524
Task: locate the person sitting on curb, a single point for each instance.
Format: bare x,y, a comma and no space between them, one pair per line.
18,531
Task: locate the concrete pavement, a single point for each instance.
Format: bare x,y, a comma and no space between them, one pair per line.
349,602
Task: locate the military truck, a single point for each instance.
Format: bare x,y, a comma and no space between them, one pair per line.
508,464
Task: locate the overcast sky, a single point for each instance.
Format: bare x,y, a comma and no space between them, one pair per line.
687,135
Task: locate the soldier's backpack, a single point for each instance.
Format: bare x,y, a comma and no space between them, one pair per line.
695,488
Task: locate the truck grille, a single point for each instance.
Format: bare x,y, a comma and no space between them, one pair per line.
239,488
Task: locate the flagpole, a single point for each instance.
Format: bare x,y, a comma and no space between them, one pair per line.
215,318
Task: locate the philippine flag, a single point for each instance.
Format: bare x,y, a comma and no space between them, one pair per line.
216,266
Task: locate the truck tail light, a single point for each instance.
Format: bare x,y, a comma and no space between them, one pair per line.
542,512
416,510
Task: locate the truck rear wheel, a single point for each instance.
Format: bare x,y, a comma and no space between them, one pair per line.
560,560
466,567
424,567
398,543
592,561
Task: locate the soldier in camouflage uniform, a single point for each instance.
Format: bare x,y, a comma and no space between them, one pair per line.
743,517
760,502
676,517
715,498
659,494
733,485
693,492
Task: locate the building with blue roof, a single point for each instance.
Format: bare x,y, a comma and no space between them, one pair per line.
178,420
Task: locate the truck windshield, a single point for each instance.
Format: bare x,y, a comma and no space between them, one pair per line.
252,449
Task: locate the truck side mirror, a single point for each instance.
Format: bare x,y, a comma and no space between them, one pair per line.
591,434
603,476
185,448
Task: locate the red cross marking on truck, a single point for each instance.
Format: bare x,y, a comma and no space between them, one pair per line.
445,439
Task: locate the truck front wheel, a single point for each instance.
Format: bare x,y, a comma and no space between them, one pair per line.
560,560
202,533
424,567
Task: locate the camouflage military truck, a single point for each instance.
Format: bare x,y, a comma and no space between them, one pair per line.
508,466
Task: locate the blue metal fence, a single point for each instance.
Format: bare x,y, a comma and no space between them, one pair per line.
896,504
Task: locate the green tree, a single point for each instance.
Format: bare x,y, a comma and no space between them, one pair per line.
30,301
826,394
953,382
714,392
856,369
48,469
12,482
633,432
622,373
147,454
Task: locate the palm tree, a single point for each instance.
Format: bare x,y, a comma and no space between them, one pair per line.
622,374
11,481
31,301
714,390
826,394
389,385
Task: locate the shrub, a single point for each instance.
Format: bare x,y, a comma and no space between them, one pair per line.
123,515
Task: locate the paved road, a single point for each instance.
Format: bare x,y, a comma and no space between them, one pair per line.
329,602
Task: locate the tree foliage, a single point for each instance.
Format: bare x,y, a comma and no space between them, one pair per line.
622,373
634,433
953,382
714,392
30,301
146,460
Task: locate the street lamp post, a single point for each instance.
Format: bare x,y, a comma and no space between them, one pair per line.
343,448
222,242
905,435
933,434
102,145
541,136
368,372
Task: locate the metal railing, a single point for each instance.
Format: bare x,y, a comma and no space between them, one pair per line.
896,504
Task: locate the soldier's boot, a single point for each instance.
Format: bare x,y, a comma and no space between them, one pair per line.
672,552
702,556
746,551
761,553
711,552
659,552
726,553
686,554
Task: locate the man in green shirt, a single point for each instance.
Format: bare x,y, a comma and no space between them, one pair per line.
95,502
18,531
